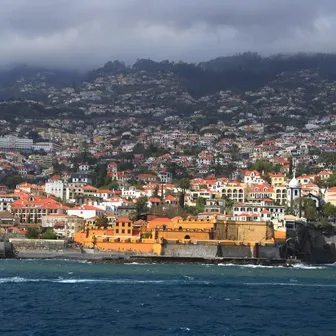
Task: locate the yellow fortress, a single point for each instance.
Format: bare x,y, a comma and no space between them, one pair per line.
202,236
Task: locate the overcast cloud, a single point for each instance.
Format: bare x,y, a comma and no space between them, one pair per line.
87,33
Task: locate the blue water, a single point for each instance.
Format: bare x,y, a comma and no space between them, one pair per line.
42,298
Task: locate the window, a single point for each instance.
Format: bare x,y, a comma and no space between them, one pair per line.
122,231
129,224
123,224
117,230
129,231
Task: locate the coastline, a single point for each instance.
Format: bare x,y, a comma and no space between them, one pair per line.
110,258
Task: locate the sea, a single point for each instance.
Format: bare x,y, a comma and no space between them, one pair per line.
70,298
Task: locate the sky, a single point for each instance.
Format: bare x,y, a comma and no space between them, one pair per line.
85,34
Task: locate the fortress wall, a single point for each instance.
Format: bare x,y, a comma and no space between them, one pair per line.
179,250
206,251
235,251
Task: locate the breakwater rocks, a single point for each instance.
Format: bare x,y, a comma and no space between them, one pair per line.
193,260
137,259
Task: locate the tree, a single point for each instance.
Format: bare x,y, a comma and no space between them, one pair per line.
125,166
32,233
11,181
102,221
141,205
234,151
328,158
156,191
330,182
139,148
223,170
262,166
329,211
200,204
308,208
133,216
290,170
184,184
176,170
48,234
101,176
228,203
303,169
169,211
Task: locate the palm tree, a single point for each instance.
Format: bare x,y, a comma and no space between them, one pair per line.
102,221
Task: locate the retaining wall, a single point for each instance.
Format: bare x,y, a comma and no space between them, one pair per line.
38,244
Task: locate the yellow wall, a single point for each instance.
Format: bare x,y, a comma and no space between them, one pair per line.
180,235
192,224
128,247
244,231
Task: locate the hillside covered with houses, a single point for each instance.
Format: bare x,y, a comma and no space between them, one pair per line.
164,139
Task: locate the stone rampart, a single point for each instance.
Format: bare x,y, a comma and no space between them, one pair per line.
190,250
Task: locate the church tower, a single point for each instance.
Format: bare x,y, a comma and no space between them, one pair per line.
293,191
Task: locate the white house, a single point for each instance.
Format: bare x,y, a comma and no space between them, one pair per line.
131,192
56,188
85,211
253,177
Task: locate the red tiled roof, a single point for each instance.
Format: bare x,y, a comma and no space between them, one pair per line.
123,220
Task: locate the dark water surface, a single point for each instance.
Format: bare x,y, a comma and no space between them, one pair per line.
56,297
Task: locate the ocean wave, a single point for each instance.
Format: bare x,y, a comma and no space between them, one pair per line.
18,280
295,284
307,267
115,281
136,263
294,266
248,266
79,281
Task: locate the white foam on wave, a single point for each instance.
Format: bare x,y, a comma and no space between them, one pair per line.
82,261
294,266
247,266
88,281
287,284
185,328
114,281
330,265
136,263
307,267
18,280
